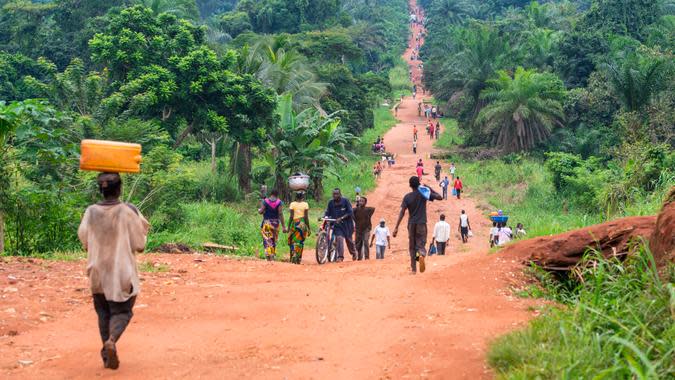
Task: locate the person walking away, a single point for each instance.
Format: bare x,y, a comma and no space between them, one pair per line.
298,227
437,170
441,235
396,109
494,235
452,170
444,186
112,233
416,205
419,109
340,209
271,209
414,132
362,220
520,231
458,186
382,240
420,172
414,146
464,226
438,130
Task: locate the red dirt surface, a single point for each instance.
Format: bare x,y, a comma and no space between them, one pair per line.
217,317
662,242
565,250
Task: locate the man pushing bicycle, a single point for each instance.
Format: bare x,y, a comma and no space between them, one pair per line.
340,209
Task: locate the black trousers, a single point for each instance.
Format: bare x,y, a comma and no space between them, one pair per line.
417,241
440,247
113,317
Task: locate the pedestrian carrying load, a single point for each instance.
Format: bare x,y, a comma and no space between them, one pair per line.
110,156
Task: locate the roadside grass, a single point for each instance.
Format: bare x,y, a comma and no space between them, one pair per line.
399,79
451,135
616,324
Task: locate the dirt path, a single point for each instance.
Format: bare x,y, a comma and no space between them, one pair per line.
215,317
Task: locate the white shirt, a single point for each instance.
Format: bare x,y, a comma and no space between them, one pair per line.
452,170
442,231
504,235
381,234
464,220
494,231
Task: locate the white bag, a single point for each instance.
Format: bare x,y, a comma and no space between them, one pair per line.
470,233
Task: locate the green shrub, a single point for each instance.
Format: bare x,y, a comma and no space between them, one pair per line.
562,165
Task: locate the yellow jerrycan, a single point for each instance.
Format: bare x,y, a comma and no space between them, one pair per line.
110,156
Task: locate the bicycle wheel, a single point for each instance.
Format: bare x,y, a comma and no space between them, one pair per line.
332,250
322,248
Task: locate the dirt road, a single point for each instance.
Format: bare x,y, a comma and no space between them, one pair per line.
215,317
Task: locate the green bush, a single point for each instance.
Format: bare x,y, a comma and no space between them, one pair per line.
562,165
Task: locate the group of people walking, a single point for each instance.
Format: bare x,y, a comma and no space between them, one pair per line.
352,227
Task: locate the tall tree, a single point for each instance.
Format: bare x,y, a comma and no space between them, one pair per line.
637,80
523,109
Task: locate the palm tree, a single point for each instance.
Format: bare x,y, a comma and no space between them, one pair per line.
636,80
538,47
286,71
307,142
180,8
481,50
523,109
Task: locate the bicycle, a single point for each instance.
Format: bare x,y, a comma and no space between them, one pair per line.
326,249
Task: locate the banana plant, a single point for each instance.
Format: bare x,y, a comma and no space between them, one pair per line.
307,142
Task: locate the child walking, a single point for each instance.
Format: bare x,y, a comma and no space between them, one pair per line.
382,239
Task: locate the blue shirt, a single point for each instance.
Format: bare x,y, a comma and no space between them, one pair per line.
338,210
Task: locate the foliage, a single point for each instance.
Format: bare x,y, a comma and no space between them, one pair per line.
308,143
523,109
617,323
636,80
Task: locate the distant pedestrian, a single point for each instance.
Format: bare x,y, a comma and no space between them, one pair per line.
414,146
437,170
464,226
520,231
382,240
452,170
458,186
420,172
438,130
494,235
444,186
441,235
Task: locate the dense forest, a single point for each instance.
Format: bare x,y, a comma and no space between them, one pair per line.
223,95
585,86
